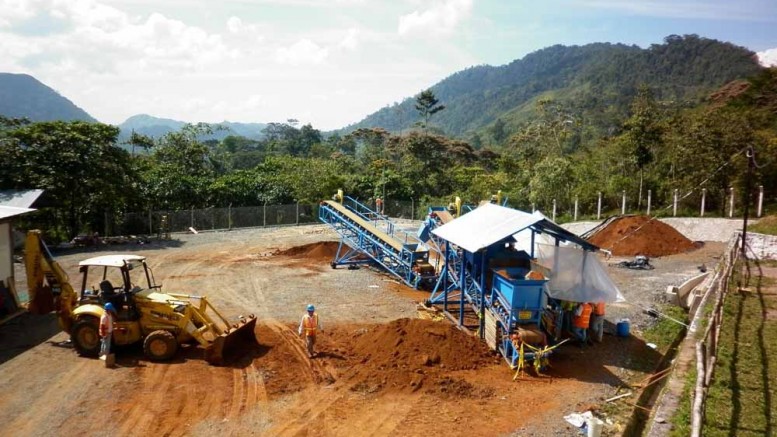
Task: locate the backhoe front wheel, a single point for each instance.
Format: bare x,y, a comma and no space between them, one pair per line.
160,345
85,337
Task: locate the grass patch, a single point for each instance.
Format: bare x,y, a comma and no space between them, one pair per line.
681,418
742,399
665,331
766,225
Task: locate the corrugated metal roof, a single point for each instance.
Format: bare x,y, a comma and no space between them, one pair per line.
19,198
11,211
491,223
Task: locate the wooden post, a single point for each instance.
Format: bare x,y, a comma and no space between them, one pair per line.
674,207
599,207
703,198
412,208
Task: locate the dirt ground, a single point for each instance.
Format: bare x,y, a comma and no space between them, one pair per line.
380,370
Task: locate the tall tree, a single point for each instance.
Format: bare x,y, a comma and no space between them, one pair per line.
427,105
643,132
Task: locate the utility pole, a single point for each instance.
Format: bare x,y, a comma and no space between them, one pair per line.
748,182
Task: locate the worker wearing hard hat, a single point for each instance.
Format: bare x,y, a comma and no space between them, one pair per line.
310,324
106,330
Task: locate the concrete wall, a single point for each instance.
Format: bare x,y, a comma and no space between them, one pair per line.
762,246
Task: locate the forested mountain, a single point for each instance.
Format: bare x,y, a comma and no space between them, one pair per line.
597,82
23,96
155,127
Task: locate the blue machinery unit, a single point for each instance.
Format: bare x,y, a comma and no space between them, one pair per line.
367,236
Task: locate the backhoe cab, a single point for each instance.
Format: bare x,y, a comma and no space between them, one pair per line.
162,321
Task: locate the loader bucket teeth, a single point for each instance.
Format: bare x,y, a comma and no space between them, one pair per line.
230,344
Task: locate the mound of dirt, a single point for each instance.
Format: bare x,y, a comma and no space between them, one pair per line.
641,235
324,250
407,354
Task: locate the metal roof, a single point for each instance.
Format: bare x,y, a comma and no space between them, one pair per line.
11,211
19,198
111,260
492,223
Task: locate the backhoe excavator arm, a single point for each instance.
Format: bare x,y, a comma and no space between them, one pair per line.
47,283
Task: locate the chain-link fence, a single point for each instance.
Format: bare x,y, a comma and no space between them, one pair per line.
155,222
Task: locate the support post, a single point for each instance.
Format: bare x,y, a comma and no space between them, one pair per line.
650,199
297,213
532,208
462,283
575,216
746,198
150,226
412,209
229,217
674,204
703,199
599,207
554,210
623,205
731,203
760,200
264,215
482,322
191,217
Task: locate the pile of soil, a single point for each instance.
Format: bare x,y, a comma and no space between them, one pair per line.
323,251
641,235
408,354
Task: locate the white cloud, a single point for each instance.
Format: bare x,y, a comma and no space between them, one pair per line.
442,18
750,10
768,58
302,52
351,40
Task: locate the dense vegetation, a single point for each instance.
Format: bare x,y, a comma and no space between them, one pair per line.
657,144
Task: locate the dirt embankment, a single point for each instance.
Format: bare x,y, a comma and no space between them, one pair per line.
641,235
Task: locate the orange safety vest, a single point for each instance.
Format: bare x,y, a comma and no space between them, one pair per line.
599,309
310,324
584,319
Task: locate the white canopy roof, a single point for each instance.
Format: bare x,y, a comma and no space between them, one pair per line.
10,211
491,223
111,260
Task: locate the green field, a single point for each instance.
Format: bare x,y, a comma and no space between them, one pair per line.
743,396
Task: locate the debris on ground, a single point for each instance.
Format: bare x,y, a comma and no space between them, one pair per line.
640,262
641,235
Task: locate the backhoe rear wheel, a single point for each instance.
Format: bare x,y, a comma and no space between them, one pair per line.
85,337
160,345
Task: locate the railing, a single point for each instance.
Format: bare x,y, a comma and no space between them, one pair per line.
707,347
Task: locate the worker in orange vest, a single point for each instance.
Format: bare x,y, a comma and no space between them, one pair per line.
310,324
581,320
597,322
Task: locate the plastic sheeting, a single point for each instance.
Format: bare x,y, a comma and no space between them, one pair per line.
577,275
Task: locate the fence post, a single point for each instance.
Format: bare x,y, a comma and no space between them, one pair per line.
731,203
229,217
298,213
150,227
703,198
599,207
674,203
412,209
554,210
650,198
532,208
760,200
575,218
264,215
191,215
212,219
623,206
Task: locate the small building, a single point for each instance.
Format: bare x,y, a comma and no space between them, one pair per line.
13,203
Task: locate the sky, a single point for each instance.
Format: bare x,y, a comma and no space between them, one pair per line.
325,62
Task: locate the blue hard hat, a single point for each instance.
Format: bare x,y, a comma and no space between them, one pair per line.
311,307
109,307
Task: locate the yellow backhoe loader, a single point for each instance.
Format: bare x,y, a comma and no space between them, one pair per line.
162,321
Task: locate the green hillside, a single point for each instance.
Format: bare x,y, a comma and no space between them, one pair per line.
596,81
23,96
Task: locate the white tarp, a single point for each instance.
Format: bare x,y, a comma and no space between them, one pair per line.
577,275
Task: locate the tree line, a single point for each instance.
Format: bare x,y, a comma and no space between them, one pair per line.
659,146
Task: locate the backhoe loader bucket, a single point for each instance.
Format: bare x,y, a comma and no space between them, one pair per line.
239,337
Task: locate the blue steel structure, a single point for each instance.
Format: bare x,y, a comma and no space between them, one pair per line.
367,236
